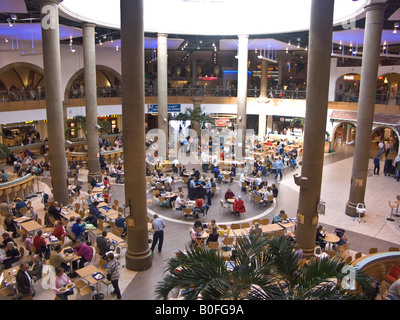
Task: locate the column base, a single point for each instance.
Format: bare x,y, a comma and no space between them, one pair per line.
351,210
95,175
138,261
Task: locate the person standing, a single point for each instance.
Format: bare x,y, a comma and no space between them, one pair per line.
376,165
279,167
158,237
112,270
24,282
205,159
381,145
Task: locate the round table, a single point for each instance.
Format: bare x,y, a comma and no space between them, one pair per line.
230,200
331,238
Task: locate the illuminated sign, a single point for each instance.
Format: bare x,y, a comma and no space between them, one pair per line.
208,78
348,77
221,122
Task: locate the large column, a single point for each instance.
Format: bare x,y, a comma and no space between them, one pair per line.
162,85
366,104
319,56
138,254
92,138
242,90
54,103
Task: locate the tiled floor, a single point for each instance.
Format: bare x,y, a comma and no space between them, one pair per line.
373,230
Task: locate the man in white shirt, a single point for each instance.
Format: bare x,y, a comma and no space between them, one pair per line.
180,202
205,158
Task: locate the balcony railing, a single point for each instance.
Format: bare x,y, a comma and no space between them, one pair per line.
107,92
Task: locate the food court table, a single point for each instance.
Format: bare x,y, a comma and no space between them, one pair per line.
92,275
331,238
31,226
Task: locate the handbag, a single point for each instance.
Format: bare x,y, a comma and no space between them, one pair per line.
109,276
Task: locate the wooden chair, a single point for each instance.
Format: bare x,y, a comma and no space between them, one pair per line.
23,210
343,250
235,226
188,212
258,199
82,288
102,225
223,226
227,178
348,259
118,231
394,249
373,250
223,205
256,220
357,255
245,225
213,245
228,243
264,221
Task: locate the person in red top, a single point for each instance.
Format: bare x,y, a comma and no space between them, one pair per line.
39,243
107,183
238,206
59,231
198,207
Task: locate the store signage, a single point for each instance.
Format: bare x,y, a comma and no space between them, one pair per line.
221,122
153,108
208,78
348,77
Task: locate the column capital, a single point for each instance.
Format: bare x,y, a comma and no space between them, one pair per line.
56,2
160,34
375,6
243,35
88,25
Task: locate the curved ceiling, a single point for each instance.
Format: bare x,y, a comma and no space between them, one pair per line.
212,17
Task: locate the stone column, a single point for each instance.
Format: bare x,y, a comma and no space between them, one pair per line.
319,57
366,104
242,90
92,137
162,85
54,103
138,254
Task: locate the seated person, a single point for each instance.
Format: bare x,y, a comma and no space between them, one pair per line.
107,183
238,206
229,194
256,230
39,243
11,225
91,219
12,255
341,233
120,222
279,216
31,213
213,236
83,250
319,240
95,211
3,176
78,230
198,207
103,243
217,174
6,239
59,231
197,224
54,210
180,202
57,260
70,223
212,224
18,206
36,267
